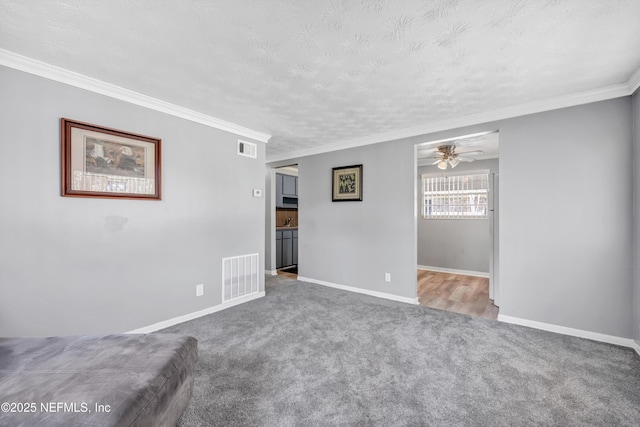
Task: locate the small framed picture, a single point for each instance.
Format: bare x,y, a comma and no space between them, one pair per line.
347,184
110,163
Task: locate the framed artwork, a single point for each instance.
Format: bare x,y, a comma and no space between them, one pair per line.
347,184
103,162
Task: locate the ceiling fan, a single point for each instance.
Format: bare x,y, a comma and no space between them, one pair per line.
446,154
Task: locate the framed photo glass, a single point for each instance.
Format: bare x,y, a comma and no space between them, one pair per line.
347,183
103,162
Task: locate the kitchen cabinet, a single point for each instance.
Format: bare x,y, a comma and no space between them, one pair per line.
289,185
286,191
295,247
286,248
278,249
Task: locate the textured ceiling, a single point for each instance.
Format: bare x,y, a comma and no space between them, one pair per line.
314,72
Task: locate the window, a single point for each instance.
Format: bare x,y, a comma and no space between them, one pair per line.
455,197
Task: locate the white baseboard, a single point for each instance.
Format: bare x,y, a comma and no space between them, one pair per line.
180,319
384,295
271,272
636,347
454,271
595,336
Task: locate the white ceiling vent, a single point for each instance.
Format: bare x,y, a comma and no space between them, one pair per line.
248,149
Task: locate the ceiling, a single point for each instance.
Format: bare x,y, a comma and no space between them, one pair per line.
324,73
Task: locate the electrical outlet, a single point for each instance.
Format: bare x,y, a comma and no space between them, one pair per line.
387,277
200,290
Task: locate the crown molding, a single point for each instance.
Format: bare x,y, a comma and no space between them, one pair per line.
609,92
61,75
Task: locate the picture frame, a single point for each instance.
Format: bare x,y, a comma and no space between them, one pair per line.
109,163
347,184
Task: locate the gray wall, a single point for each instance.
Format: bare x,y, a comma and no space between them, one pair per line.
565,217
355,243
636,216
65,265
461,244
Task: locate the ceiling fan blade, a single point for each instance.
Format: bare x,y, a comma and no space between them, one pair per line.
465,159
436,162
470,153
427,152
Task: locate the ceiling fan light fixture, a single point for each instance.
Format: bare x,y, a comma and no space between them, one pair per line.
442,164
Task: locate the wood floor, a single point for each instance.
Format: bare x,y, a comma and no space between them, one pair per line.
291,273
446,291
457,293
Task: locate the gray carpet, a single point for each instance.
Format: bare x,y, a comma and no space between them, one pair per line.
311,355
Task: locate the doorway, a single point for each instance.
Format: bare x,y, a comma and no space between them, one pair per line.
457,224
286,221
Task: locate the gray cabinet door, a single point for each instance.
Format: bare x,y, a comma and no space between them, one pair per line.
286,191
278,190
289,185
278,249
295,246
295,250
287,249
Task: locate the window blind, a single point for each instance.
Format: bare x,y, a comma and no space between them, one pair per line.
455,197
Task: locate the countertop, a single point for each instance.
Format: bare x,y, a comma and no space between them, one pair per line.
284,227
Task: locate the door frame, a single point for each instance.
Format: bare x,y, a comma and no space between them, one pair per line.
270,222
494,217
494,232
270,213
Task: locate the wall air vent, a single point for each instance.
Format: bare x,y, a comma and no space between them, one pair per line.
247,149
240,276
